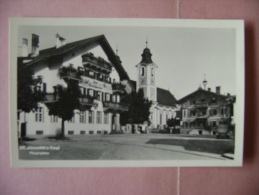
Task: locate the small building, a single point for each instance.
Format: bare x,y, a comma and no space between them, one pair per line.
100,76
205,110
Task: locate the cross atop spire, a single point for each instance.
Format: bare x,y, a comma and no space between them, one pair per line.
204,82
147,42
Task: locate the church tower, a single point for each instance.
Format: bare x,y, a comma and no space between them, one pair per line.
147,75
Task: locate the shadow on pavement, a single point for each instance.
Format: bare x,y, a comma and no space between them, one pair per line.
211,146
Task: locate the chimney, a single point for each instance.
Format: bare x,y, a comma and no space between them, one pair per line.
34,45
23,49
209,89
60,41
218,90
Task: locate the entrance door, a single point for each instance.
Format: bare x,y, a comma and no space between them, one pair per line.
23,130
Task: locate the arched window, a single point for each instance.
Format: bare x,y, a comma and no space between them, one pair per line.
142,71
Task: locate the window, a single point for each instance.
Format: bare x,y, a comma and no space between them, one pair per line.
227,112
142,71
41,87
82,118
203,112
99,95
114,98
81,70
91,92
39,114
99,117
53,119
100,77
107,98
106,118
118,98
213,112
82,132
91,74
222,111
91,132
39,132
91,117
82,90
70,132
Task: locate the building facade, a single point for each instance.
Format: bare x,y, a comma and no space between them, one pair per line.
163,102
100,76
206,110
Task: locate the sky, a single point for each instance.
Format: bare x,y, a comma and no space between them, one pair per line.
183,55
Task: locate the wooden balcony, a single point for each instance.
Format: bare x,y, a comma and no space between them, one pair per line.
114,107
89,60
70,75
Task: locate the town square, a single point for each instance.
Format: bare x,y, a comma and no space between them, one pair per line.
101,95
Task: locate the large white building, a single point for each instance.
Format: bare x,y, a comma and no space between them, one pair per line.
101,77
163,102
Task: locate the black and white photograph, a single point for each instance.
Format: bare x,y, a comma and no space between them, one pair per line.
126,92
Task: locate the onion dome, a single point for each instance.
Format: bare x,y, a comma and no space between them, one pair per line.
146,56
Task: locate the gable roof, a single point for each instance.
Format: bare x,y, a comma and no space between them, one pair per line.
71,47
133,84
200,91
164,97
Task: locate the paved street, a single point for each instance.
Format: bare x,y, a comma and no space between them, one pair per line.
126,147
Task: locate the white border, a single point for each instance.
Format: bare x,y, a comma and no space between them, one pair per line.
238,25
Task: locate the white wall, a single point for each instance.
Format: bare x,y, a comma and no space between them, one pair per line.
52,128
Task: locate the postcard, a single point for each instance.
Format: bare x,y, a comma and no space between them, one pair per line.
126,92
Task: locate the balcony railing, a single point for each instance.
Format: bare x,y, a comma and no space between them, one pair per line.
90,60
117,87
85,100
70,75
87,73
115,106
201,105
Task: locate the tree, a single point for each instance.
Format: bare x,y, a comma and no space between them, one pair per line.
67,102
28,95
139,108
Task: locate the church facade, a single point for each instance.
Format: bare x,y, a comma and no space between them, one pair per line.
163,102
